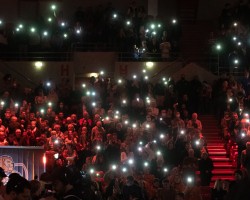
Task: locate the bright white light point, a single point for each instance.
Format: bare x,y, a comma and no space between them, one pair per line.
126,122
197,142
124,169
149,64
2,103
88,93
93,93
218,47
114,167
20,26
78,31
182,132
65,35
162,136
53,7
124,101
189,180
49,104
119,80
102,72
174,21
16,104
93,104
32,30
152,26
147,126
236,61
91,171
83,85
134,76
144,71
128,22
134,125
98,147
139,149
146,164
38,65
159,25
42,110
17,29
165,169
49,19
146,77
130,161
158,153
141,143
45,33
154,141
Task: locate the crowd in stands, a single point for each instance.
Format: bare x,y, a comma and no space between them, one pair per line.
130,139
233,37
124,31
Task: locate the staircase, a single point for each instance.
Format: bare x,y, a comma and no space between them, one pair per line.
223,165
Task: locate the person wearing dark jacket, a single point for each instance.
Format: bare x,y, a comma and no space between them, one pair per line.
131,190
205,167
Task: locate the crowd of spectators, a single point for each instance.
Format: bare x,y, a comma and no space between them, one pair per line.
102,27
148,133
127,139
231,40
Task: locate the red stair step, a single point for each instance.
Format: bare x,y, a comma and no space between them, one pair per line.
218,165
220,146
223,171
219,159
230,178
216,149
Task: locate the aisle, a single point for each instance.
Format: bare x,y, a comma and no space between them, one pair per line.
223,166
